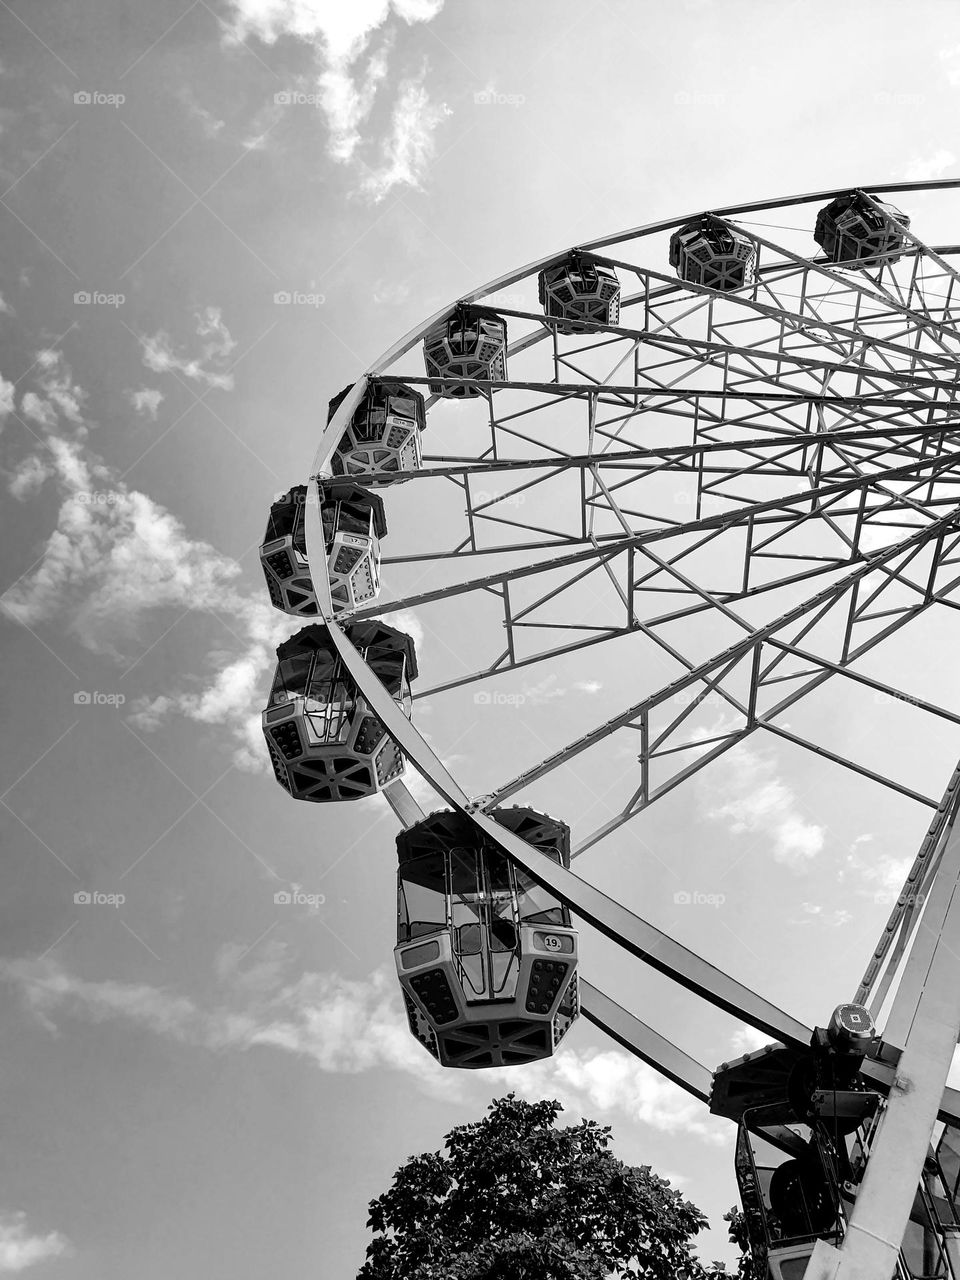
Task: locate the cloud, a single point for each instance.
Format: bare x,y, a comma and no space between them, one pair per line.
925,169
951,64
38,410
237,693
28,478
341,1024
116,556
212,127
880,875
407,621
146,401
390,293
158,353
816,911
7,393
61,397
613,1081
409,148
20,1249
352,46
742,790
748,1040
348,1026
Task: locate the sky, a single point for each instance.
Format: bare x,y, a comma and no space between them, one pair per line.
196,1079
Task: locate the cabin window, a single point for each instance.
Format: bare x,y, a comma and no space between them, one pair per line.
422,902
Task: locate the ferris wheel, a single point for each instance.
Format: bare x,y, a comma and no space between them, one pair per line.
723,459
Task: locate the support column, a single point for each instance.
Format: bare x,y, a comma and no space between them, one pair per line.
925,1020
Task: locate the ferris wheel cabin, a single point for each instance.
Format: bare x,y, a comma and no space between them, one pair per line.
711,252
581,288
806,1119
384,434
325,743
470,343
353,524
854,233
487,959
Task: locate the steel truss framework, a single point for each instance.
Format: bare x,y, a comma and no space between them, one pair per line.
763,486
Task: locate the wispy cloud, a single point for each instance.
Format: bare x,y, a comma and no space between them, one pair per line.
352,47
613,1081
116,557
876,874
950,61
817,913
28,477
748,1040
743,790
208,367
409,148
211,125
926,168
7,398
20,1248
146,401
347,1025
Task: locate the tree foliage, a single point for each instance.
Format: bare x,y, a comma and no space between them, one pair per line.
516,1198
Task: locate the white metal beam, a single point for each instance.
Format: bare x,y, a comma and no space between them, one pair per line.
926,1020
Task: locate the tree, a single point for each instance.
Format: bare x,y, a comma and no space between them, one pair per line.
516,1198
